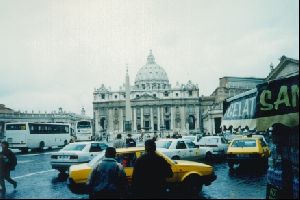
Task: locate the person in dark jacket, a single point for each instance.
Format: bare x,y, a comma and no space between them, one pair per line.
130,142
2,183
150,173
108,179
10,162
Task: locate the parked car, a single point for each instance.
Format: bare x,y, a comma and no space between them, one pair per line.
187,174
253,150
193,138
179,149
213,146
76,153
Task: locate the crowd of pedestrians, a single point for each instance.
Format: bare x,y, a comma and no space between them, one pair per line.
108,179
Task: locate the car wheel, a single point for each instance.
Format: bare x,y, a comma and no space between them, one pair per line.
192,185
175,158
230,165
24,150
209,156
41,146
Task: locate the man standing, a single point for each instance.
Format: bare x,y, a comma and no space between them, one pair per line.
150,173
2,183
119,142
10,162
108,179
130,142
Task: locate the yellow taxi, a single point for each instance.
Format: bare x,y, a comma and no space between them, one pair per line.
192,175
248,149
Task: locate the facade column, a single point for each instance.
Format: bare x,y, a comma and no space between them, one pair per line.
134,119
158,118
121,120
197,119
172,120
142,117
182,117
162,116
110,120
151,117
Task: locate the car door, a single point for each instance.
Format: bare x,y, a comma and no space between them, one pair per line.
127,160
265,147
182,150
193,151
95,149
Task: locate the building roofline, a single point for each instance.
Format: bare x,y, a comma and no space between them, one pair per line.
238,77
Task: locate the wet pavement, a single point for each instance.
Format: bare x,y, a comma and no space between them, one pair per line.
36,179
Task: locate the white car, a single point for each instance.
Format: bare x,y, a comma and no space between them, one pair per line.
213,146
76,153
193,138
178,149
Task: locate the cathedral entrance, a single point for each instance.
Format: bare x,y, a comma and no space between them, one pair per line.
192,122
147,125
102,123
155,127
167,124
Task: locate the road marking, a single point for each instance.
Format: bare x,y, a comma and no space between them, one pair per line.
27,155
24,161
32,174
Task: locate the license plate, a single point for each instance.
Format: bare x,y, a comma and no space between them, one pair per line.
243,156
64,157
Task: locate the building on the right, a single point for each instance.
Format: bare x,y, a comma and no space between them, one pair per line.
286,67
228,86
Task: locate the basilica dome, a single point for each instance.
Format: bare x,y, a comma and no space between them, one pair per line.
151,75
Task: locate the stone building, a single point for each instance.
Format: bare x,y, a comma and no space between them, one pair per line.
155,106
228,86
286,67
232,86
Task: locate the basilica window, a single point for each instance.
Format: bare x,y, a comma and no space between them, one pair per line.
190,93
137,96
143,86
154,95
102,96
176,94
166,94
116,96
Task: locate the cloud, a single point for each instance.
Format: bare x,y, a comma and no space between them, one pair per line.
54,53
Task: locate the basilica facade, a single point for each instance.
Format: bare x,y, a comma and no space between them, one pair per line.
150,105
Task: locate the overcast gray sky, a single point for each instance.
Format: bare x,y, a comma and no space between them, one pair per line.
53,53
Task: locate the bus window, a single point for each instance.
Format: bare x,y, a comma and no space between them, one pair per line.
16,127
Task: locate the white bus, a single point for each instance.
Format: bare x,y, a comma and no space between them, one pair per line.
83,130
26,135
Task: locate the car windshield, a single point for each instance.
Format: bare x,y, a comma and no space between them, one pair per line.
163,144
191,138
74,147
244,143
97,159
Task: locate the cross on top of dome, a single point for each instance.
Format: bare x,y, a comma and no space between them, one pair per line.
150,58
